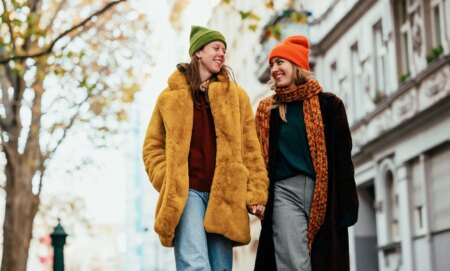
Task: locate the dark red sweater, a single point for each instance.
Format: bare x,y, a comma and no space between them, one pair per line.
202,154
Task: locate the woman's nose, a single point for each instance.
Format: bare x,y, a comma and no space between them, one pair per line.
274,68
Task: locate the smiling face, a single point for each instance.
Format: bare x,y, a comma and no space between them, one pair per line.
282,72
212,58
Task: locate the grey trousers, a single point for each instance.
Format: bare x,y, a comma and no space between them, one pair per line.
292,203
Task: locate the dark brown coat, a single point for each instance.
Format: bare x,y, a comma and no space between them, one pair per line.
330,250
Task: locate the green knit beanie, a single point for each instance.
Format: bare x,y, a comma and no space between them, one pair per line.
201,36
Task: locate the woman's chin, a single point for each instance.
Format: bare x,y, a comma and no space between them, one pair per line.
282,85
216,69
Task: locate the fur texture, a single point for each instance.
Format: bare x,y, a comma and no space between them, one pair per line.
240,178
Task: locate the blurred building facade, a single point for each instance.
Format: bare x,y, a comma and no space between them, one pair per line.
389,62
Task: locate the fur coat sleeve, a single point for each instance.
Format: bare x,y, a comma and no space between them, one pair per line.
257,188
154,150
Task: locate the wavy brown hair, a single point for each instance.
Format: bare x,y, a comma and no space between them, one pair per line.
192,72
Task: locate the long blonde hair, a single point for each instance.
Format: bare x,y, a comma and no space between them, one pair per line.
300,77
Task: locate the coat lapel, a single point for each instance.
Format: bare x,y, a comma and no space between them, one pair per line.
177,109
225,109
178,112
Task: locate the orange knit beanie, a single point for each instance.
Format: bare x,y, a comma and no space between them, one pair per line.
295,49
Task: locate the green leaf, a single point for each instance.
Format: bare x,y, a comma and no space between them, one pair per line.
276,31
244,14
249,15
253,16
17,22
253,27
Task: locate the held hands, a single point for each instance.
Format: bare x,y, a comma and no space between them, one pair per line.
257,210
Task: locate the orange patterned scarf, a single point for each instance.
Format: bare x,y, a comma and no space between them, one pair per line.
316,141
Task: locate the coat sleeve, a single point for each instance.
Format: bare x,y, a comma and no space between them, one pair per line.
153,151
344,174
258,182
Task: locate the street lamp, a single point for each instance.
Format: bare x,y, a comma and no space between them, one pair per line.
58,240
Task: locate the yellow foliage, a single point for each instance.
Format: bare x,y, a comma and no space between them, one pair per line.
122,115
177,10
253,27
270,4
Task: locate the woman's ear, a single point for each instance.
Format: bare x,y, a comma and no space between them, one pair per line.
199,54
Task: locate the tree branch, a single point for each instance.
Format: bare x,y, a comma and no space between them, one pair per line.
8,150
51,151
17,99
49,49
8,22
4,85
33,5
11,122
60,5
32,142
10,75
72,37
41,177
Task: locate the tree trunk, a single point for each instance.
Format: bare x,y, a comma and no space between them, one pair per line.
20,210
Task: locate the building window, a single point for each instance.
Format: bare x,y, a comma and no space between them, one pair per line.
381,69
439,186
339,86
405,55
403,11
357,88
403,29
417,193
392,203
334,81
436,22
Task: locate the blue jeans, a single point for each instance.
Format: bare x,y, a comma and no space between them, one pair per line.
196,249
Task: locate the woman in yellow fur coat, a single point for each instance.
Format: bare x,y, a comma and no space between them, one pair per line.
202,155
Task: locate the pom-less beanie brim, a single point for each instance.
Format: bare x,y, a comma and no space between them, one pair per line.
294,49
201,36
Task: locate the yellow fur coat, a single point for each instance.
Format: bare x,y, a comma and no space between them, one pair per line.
240,177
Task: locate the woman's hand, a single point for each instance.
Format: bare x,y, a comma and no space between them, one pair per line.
257,210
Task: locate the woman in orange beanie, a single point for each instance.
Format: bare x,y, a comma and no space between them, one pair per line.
306,143
202,155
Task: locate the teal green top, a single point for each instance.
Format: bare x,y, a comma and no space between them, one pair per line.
293,156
